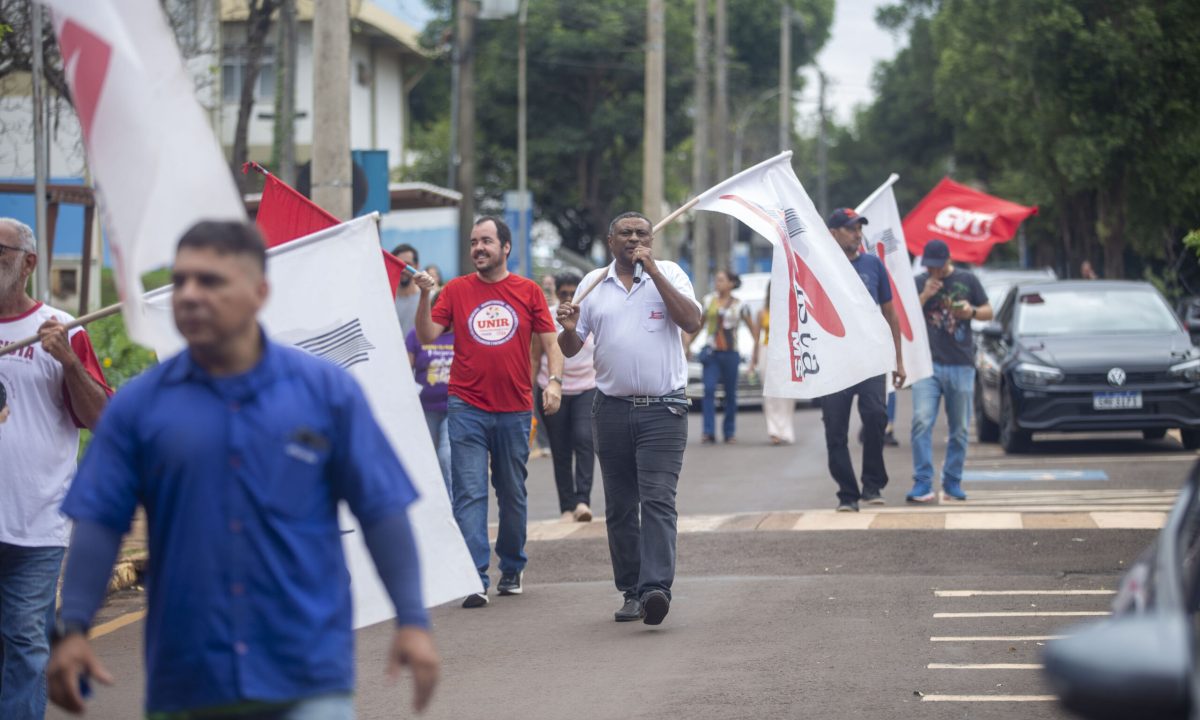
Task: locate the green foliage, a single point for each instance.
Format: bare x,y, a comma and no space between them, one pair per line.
586,82
1192,241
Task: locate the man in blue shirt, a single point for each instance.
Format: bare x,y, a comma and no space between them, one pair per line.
240,450
846,227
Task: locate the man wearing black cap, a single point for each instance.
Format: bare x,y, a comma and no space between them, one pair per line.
846,227
951,298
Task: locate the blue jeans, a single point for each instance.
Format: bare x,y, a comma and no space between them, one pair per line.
956,385
505,436
723,368
28,579
439,430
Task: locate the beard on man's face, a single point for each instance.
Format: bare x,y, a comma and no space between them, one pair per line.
10,278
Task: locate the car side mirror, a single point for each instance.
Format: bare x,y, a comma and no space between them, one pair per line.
1134,666
992,331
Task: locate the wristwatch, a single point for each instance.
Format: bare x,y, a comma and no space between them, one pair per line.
555,378
64,628
973,311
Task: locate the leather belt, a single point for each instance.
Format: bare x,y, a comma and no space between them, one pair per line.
648,400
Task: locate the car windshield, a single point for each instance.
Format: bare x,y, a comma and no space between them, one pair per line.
1093,312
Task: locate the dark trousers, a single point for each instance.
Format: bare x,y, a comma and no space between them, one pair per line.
570,433
641,454
835,411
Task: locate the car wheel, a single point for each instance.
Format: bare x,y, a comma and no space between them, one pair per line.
1191,438
1012,439
1154,434
985,428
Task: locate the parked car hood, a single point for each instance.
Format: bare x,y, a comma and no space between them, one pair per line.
1147,352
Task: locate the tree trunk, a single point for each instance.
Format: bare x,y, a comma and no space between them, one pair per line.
1110,228
258,24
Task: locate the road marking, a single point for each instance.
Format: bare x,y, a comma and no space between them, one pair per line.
983,521
984,666
1130,520
701,523
989,698
1034,475
1188,457
982,593
995,638
115,625
831,520
1024,613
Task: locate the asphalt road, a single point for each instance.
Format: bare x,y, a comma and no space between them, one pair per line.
781,624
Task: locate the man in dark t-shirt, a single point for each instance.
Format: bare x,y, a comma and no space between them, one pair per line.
951,298
846,227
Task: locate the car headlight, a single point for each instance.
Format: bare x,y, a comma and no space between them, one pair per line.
1189,371
1032,374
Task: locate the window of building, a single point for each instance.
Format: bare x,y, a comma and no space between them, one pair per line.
232,68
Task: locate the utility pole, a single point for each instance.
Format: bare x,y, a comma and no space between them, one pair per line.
331,168
522,148
700,183
455,46
720,133
465,182
822,150
785,76
652,113
41,162
285,103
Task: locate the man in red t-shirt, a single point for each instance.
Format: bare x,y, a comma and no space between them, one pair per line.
494,315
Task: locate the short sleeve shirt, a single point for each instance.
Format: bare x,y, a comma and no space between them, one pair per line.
950,339
431,368
639,350
40,439
493,324
874,276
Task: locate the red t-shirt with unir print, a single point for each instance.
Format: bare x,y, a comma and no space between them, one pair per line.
493,324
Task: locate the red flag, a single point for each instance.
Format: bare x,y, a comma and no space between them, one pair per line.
969,221
284,215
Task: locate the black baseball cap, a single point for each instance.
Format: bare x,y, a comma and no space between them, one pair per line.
936,253
843,217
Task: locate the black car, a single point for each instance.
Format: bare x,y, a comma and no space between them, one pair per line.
1085,355
1142,662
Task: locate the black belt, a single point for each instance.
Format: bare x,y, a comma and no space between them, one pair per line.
647,400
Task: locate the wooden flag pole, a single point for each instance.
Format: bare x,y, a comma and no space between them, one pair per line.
90,317
662,224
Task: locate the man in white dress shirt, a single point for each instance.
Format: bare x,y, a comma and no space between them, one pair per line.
640,412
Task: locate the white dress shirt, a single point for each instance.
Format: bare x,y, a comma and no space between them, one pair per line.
639,349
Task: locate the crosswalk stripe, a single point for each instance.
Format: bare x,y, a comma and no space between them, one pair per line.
984,666
1023,613
989,698
985,593
995,638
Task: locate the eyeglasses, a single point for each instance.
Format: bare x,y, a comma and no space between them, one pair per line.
10,247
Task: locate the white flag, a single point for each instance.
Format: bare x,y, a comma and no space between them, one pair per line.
330,296
156,165
835,335
883,236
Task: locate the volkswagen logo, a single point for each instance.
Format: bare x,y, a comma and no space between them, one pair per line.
1116,377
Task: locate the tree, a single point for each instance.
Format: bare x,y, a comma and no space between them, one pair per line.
585,102
258,26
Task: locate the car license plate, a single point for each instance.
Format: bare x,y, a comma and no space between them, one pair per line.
1127,400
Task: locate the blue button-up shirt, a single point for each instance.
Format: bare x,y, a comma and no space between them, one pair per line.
249,596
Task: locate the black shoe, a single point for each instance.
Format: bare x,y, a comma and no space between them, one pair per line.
847,507
875,499
510,583
889,439
476,600
630,611
655,605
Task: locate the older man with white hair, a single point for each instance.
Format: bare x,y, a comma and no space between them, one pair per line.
52,388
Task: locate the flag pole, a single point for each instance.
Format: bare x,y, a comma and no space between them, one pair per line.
662,224
878,191
90,317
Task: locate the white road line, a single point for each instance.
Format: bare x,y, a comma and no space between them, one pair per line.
1051,613
995,638
984,666
979,462
989,698
981,593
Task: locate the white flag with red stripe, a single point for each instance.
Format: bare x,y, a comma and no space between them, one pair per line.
833,335
156,165
883,236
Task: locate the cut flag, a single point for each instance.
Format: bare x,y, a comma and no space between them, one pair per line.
835,335
155,163
969,221
285,214
327,298
883,236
